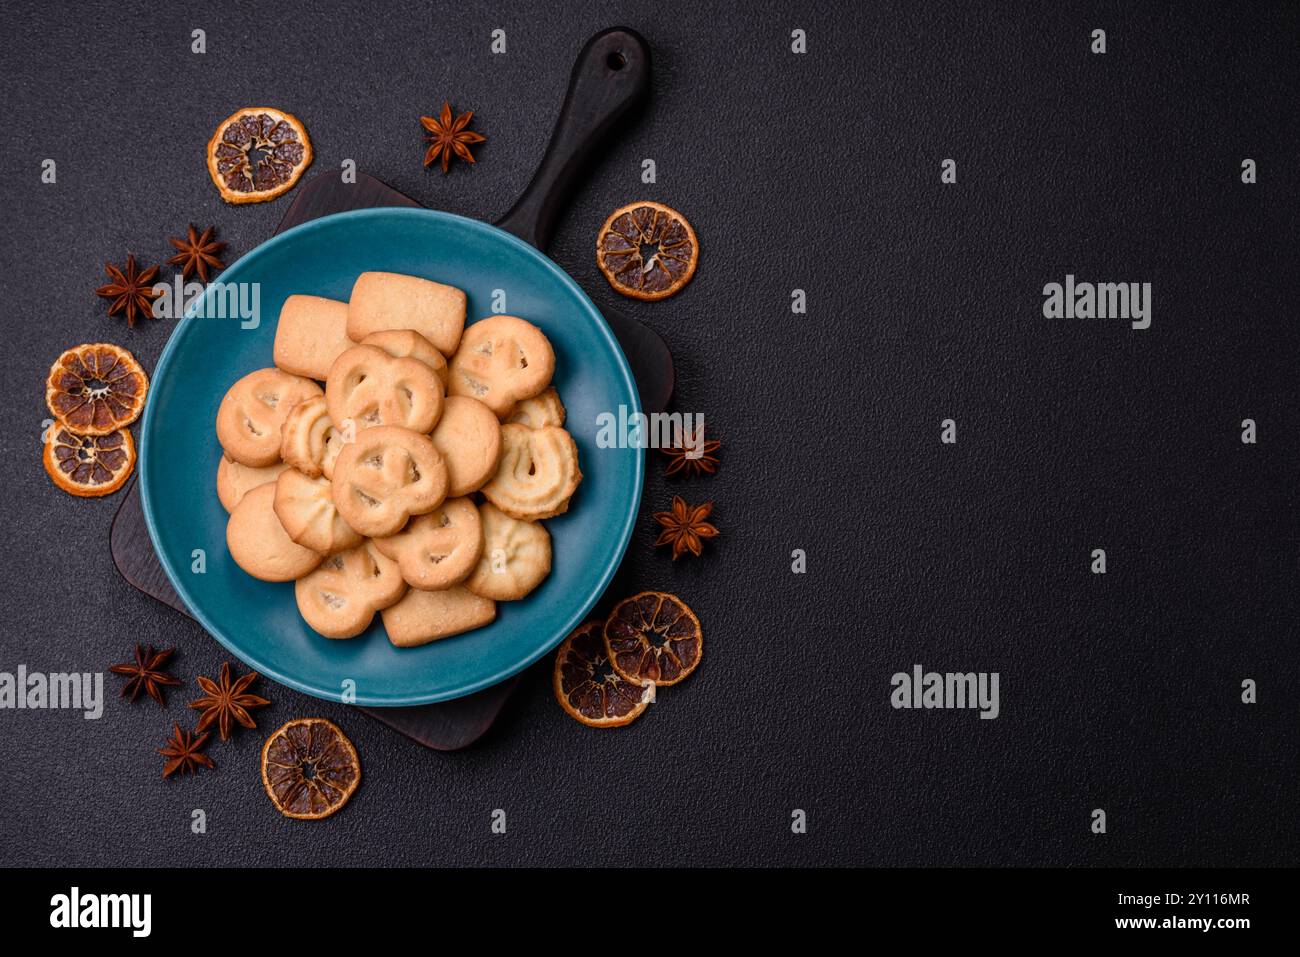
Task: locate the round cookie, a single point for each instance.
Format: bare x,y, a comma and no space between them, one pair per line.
339,599
253,411
402,343
259,544
501,360
538,472
234,481
304,435
516,556
385,476
539,411
440,548
306,510
371,388
468,437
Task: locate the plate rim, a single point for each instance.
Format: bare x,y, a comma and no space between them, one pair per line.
173,346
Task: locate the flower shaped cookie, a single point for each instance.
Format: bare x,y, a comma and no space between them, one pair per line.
501,360
387,475
516,556
339,599
371,388
438,549
305,507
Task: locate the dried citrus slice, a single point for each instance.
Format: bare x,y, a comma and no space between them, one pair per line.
654,637
89,465
309,768
95,389
647,250
257,153
588,687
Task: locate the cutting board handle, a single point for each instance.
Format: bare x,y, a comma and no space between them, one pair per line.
610,77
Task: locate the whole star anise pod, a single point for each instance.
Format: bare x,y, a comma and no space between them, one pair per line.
685,527
184,753
694,458
448,136
225,703
197,253
146,673
131,290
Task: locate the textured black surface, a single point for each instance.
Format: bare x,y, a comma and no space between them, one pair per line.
819,172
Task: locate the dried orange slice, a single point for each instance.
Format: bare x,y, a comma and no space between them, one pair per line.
257,153
89,465
309,769
654,637
96,389
589,689
647,250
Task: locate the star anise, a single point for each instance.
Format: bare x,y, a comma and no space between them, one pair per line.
448,136
226,703
685,527
131,290
184,753
197,253
694,458
146,673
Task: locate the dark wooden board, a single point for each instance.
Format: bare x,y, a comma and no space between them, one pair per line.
445,727
610,78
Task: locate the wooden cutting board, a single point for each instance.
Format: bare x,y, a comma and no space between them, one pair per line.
610,78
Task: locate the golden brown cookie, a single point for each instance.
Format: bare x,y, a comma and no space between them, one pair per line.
404,343
388,300
306,510
538,472
259,544
425,616
384,477
469,438
311,334
304,435
371,388
253,411
339,599
501,360
438,549
516,556
335,440
539,411
234,481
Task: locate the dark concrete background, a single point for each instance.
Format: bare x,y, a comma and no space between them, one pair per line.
819,172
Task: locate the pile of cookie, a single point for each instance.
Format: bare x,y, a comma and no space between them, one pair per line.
364,492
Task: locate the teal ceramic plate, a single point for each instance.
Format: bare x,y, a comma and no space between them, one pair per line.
259,621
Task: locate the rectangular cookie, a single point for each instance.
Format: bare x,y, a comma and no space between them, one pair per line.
389,300
424,616
312,333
